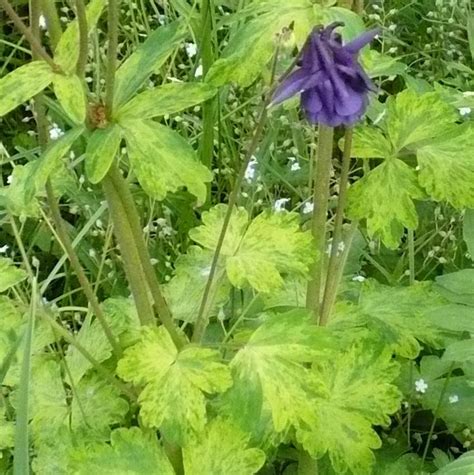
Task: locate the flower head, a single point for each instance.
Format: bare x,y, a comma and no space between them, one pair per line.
332,83
421,386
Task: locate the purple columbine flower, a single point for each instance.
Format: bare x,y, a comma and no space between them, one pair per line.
334,87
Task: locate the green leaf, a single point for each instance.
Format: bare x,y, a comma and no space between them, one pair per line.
447,168
131,451
22,84
42,168
385,198
255,42
454,318
396,315
145,60
7,431
10,275
91,336
166,99
257,253
353,23
414,118
71,95
460,282
470,33
354,391
185,290
369,142
464,465
96,405
271,375
460,351
468,231
102,148
164,161
377,64
66,53
173,398
230,443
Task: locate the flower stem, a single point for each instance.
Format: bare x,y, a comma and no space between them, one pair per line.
112,36
131,259
411,255
83,37
130,211
332,280
53,24
36,46
321,177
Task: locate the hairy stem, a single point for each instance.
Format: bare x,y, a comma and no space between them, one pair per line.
130,210
131,259
322,170
53,24
411,255
332,280
112,25
83,38
36,46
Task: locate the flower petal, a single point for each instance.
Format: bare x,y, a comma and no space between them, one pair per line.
358,43
293,84
311,101
352,104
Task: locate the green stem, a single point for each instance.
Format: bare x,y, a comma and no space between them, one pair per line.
36,46
411,255
332,281
66,243
322,170
83,38
130,210
112,25
131,259
53,24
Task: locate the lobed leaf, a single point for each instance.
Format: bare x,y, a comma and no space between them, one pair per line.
10,275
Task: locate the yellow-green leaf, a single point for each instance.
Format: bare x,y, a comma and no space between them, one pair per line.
66,53
385,198
22,84
175,384
222,450
163,160
447,168
146,59
71,95
369,142
166,99
101,150
10,275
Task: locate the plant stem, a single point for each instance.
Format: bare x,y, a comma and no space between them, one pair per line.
83,38
112,25
322,170
130,210
131,259
36,46
358,6
66,243
332,281
411,255
53,24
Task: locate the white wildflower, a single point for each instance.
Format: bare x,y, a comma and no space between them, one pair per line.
464,111
55,132
4,249
295,166
279,204
308,207
421,386
198,72
10,179
251,169
42,22
191,49
358,278
453,399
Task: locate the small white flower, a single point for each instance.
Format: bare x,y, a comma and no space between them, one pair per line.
198,72
4,249
468,93
464,111
35,262
55,132
251,169
161,19
42,22
358,278
153,261
453,399
421,386
279,204
295,166
308,207
191,49
10,179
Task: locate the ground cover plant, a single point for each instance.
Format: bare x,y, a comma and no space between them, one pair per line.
236,237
